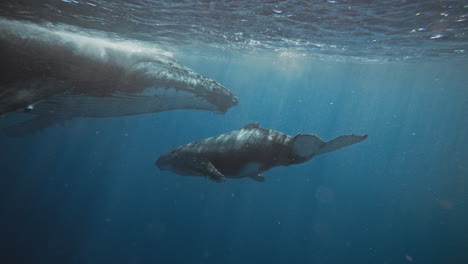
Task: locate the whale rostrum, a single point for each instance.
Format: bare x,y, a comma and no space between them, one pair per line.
247,152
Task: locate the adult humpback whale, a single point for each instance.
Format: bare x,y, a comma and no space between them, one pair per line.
57,75
247,152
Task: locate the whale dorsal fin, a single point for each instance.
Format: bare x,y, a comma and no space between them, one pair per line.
306,145
252,125
340,142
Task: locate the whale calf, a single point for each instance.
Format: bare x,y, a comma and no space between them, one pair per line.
247,152
55,74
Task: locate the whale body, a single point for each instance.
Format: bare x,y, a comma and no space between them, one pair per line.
57,74
247,152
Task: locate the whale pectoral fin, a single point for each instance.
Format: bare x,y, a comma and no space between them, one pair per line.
257,177
340,142
306,145
205,167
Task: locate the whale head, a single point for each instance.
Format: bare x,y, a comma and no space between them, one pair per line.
178,87
172,162
164,162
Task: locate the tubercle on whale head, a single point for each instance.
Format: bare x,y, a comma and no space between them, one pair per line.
173,162
222,98
180,78
223,107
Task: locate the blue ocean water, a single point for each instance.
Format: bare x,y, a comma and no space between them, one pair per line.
87,191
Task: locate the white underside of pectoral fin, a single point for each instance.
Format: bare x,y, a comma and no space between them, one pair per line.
306,145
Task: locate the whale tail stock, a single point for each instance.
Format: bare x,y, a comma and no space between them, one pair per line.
307,145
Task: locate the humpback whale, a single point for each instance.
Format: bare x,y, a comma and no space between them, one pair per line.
55,74
247,152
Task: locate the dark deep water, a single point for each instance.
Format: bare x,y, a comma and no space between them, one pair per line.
88,191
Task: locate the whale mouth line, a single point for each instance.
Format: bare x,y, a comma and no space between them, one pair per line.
121,104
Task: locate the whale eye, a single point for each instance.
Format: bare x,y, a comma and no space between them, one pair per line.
28,108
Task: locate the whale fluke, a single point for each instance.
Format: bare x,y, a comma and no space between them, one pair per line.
340,142
307,145
35,124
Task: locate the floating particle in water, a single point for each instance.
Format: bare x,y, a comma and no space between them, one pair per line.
324,195
409,258
206,253
413,134
321,228
446,204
